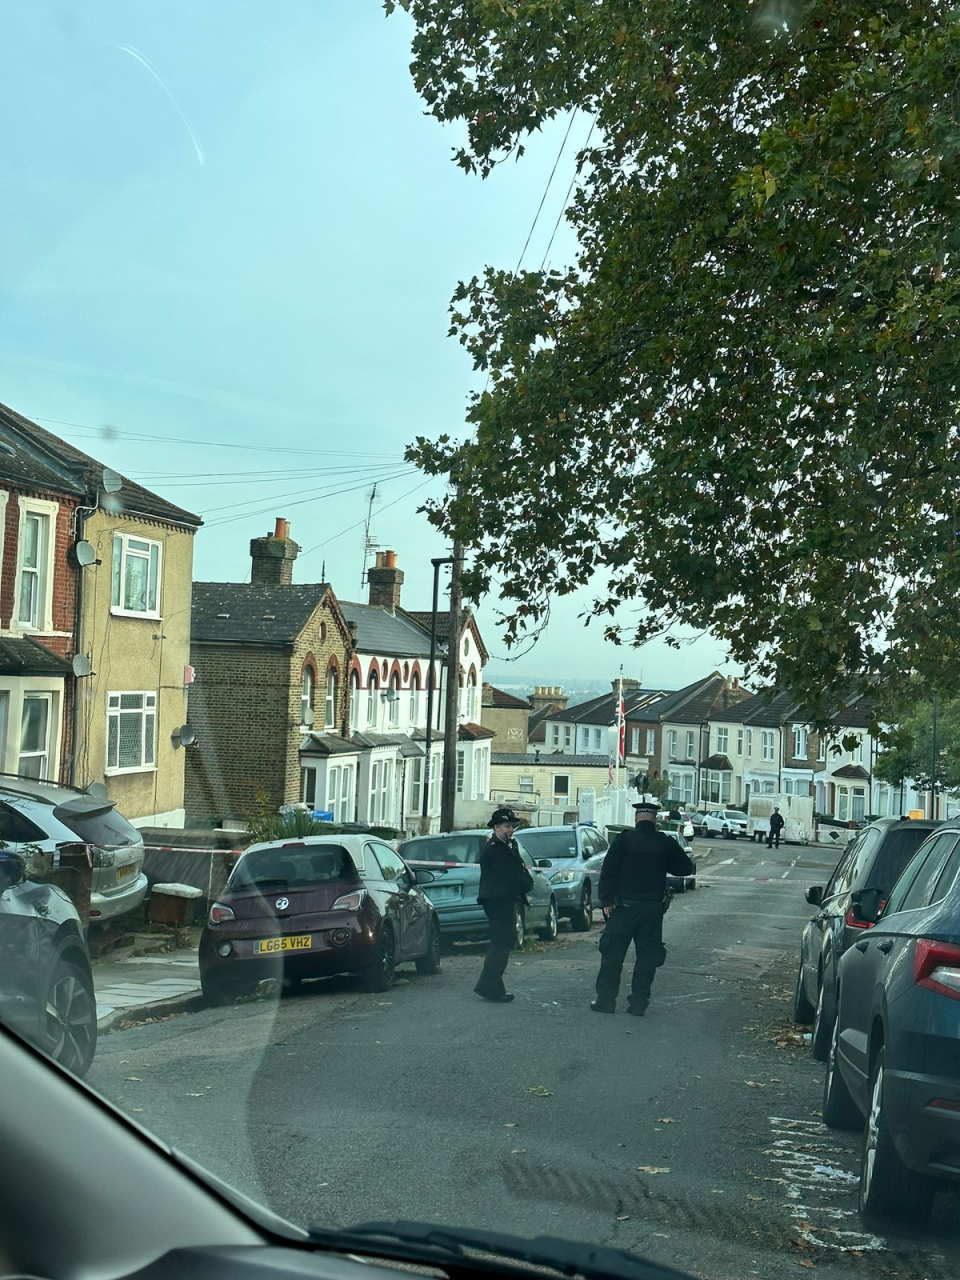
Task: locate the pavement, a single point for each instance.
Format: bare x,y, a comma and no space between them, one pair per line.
136,988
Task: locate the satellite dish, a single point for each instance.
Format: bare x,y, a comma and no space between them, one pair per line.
112,482
97,791
308,716
184,736
85,553
82,666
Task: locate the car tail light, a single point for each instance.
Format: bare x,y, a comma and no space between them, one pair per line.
295,844
219,914
350,901
851,921
945,1104
96,857
936,966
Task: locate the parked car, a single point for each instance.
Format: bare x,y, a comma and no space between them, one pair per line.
728,823
46,987
894,1054
50,817
675,884
874,860
565,851
453,858
308,908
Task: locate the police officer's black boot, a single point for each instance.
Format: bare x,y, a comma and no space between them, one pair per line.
603,1006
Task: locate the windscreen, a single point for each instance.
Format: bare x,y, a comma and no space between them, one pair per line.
292,868
549,844
893,855
453,848
107,829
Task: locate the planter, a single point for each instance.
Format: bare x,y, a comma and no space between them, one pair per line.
173,904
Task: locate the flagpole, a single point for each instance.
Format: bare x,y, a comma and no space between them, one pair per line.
621,731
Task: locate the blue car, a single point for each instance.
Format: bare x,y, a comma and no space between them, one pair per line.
894,1056
452,860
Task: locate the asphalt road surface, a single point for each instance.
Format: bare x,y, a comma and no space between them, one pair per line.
692,1135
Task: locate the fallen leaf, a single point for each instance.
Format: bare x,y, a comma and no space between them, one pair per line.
519,1151
651,1168
623,1217
194,1095
401,982
540,1091
756,1197
666,1120
804,1262
512,1124
754,1084
137,1078
136,1108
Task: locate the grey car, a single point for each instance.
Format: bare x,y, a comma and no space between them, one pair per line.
676,884
565,852
42,816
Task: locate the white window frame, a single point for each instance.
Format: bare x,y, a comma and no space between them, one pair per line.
44,754
767,744
373,705
634,740
394,704
115,712
461,771
355,700
330,700
414,699
525,783
691,745
555,733
415,780
723,741
651,741
308,778
799,742
120,610
306,695
374,789
739,742
749,744
47,511
386,783
567,736
558,795
821,749
672,744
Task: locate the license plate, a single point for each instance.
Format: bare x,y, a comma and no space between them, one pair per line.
267,946
123,872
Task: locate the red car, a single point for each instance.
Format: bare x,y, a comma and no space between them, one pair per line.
314,907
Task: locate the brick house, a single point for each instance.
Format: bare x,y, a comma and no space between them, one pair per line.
545,700
507,715
590,728
269,658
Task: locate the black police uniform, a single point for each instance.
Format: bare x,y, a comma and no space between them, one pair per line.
776,826
633,881
504,881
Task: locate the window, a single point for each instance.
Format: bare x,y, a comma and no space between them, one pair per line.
718,787
567,736
723,741
843,804
34,543
136,575
471,696
374,789
598,739
459,773
415,788
858,804
561,787
394,699
691,745
386,792
306,697
769,788
308,787
391,864
821,749
799,742
766,743
555,735
672,744
354,700
739,742
479,769
131,731
947,877
373,690
651,741
330,702
415,700
921,890
749,742
35,735
525,783
340,791
634,741
855,754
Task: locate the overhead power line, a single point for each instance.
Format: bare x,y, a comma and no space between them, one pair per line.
350,527
536,216
317,493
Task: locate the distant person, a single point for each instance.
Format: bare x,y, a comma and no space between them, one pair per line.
776,826
633,882
674,814
504,881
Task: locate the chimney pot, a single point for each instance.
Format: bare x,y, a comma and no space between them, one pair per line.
385,581
273,556
389,559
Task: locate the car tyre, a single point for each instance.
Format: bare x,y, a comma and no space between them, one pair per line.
690,884
379,973
820,1041
803,1010
223,991
70,1015
519,927
582,920
429,963
549,931
839,1109
888,1189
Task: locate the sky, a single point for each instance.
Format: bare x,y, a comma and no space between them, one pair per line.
230,239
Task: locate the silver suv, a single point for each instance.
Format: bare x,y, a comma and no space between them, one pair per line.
47,817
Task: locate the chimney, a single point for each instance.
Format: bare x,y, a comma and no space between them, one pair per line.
547,695
273,556
385,581
627,683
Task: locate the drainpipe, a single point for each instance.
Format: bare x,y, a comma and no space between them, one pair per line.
80,520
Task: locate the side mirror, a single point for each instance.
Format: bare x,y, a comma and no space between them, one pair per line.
544,862
814,895
867,905
423,876
13,869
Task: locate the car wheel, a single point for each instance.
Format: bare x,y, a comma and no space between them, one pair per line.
582,920
519,927
821,1027
888,1189
549,931
70,1014
291,984
221,990
802,1008
378,975
690,884
839,1109
704,832
429,962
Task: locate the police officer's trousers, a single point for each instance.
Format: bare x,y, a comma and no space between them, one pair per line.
501,913
642,924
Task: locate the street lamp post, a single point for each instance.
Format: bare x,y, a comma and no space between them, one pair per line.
431,681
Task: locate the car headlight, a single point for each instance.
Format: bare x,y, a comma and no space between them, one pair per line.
563,877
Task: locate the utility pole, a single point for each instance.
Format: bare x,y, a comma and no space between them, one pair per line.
933,762
431,687
448,794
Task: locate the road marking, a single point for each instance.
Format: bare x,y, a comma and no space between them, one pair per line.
790,868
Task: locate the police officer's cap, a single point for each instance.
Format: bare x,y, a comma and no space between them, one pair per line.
502,815
647,806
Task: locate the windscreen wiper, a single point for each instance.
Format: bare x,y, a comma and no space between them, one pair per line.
443,1246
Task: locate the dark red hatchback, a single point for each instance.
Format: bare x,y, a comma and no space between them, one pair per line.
315,907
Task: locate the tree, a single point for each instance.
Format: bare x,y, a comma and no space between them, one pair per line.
910,752
738,408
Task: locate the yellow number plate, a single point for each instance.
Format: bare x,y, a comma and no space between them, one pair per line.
123,872
301,942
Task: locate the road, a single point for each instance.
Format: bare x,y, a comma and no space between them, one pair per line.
691,1135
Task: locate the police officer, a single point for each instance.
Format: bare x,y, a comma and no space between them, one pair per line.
504,881
633,881
776,826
